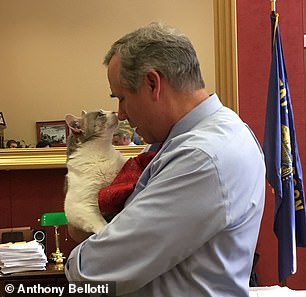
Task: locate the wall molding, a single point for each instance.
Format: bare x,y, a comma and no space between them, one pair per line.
226,52
45,158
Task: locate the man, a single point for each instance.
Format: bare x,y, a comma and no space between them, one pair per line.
190,226
121,137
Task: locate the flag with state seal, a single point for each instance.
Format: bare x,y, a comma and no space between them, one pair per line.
284,170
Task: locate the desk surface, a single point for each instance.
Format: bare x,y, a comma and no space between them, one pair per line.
52,277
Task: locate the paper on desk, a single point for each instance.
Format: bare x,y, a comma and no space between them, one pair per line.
23,246
275,291
7,270
23,256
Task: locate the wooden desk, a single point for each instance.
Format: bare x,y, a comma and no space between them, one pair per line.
53,276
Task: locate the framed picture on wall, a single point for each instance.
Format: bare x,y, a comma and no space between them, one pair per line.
2,121
54,132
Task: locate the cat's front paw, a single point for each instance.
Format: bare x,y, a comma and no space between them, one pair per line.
77,234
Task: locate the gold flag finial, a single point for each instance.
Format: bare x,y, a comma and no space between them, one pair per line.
273,5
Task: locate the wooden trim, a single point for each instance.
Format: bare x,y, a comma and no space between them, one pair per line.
43,158
226,52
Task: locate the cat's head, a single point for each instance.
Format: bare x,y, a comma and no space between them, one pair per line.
91,124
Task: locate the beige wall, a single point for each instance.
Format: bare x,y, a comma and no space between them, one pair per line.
52,50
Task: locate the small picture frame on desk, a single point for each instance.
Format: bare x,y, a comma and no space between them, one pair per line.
55,132
2,121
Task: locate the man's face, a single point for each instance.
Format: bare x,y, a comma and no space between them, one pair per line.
133,106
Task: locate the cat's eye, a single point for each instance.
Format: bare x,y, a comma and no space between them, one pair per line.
101,115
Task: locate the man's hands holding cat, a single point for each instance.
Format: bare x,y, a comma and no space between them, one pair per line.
78,235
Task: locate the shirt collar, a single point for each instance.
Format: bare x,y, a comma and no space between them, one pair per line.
201,111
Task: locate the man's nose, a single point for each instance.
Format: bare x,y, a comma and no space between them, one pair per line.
121,115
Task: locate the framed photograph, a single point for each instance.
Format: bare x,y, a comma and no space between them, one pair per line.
54,132
2,121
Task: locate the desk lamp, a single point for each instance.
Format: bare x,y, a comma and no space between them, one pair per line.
55,219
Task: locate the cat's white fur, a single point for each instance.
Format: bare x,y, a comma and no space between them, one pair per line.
91,165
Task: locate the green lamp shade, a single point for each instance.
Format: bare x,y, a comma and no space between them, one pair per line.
53,219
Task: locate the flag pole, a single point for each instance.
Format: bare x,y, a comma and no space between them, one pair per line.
283,282
273,5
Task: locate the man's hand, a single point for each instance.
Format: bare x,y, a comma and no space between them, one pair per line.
78,235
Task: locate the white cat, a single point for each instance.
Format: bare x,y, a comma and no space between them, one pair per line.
92,163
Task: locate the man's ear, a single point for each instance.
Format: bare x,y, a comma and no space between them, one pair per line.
152,79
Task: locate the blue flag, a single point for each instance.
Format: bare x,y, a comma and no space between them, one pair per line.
284,171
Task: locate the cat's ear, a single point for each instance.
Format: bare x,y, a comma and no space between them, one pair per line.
73,123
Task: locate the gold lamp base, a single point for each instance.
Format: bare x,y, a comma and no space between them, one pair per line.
57,257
